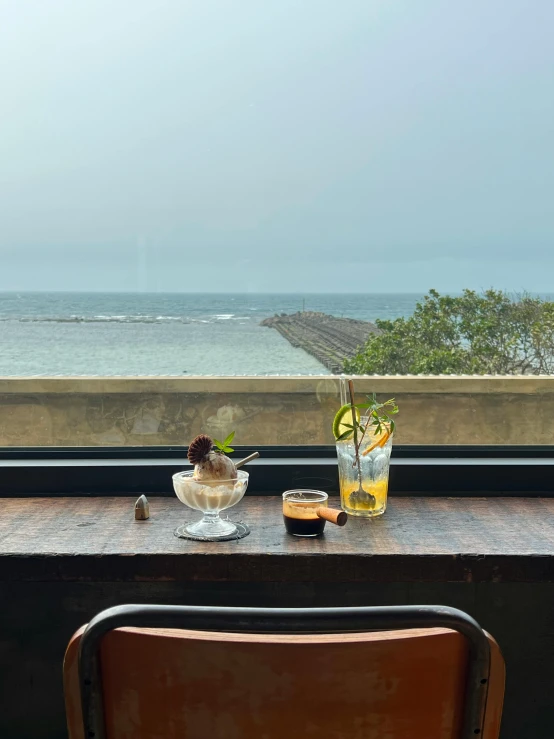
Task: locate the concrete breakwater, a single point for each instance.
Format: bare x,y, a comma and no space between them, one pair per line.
329,339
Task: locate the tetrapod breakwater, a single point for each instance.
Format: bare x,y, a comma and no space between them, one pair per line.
329,339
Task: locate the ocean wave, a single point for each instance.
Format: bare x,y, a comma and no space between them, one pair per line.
102,319
138,318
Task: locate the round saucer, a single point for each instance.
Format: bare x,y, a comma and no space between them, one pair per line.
240,533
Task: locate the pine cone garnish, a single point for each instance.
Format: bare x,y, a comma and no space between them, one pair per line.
199,448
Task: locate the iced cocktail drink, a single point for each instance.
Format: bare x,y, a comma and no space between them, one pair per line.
364,484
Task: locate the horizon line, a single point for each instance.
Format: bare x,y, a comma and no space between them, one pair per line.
12,291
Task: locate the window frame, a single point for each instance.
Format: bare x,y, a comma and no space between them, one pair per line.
448,471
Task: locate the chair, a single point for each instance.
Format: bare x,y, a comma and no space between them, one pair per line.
193,672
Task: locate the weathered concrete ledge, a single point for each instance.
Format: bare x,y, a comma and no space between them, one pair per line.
297,384
129,411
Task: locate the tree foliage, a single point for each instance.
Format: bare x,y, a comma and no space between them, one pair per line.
473,333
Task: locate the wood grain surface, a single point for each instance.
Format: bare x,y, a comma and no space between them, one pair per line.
417,540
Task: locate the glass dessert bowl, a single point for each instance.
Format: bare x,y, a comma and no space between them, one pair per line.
210,497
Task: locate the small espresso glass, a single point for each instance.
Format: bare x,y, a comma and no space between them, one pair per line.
300,512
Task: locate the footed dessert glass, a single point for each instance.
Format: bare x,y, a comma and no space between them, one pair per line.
211,497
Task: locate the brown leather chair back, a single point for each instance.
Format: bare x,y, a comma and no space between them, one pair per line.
182,684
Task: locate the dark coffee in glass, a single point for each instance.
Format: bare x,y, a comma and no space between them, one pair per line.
300,512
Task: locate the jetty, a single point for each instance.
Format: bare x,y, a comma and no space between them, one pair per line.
329,339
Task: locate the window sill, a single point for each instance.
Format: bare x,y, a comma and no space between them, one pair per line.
415,471
418,540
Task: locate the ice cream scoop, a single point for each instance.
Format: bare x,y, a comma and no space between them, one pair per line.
210,465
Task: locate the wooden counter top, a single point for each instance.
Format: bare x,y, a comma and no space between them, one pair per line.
417,540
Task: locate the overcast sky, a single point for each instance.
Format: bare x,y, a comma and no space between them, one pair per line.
276,145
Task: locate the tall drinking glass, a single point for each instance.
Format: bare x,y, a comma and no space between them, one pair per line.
364,478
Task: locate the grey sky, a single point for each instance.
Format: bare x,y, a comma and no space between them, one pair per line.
276,145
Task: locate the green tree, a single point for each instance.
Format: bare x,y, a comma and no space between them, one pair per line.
473,333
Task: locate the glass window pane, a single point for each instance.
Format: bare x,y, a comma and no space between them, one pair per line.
275,191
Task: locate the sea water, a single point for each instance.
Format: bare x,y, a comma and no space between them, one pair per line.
167,334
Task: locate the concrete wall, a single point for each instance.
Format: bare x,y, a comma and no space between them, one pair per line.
268,410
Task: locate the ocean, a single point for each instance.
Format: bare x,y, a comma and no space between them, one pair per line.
142,334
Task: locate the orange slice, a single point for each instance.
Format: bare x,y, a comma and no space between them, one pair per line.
379,441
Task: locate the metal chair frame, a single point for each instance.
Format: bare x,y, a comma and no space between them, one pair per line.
278,621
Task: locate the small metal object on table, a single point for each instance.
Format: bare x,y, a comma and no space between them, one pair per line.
142,509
